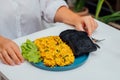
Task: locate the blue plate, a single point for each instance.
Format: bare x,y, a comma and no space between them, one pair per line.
78,62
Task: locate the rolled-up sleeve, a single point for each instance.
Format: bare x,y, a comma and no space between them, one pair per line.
49,8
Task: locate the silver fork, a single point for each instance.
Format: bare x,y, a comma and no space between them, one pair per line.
96,40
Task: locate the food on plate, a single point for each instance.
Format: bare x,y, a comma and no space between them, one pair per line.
79,42
30,51
54,52
58,50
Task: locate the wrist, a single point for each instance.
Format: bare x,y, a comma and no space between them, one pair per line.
1,37
72,19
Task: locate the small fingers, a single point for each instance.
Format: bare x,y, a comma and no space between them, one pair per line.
79,27
90,25
93,24
2,59
7,58
9,52
17,52
87,24
96,25
13,56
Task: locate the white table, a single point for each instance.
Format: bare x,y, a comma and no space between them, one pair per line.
103,64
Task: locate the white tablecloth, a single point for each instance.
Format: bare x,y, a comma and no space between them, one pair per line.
103,64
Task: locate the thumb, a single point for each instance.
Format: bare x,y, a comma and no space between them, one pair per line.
80,27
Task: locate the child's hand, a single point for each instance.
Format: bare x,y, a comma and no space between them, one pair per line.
80,22
86,23
9,52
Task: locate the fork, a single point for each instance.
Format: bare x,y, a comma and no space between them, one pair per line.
97,40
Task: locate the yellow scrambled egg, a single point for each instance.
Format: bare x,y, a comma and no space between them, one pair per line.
54,51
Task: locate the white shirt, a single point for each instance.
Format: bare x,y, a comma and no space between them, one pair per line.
22,17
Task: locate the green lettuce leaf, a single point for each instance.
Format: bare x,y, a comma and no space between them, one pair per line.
30,52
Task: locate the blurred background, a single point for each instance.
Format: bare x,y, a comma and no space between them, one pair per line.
107,11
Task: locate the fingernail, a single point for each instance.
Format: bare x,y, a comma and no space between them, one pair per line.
12,64
18,63
22,60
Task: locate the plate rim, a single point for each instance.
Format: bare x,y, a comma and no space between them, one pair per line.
84,58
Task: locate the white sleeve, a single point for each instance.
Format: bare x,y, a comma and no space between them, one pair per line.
49,8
